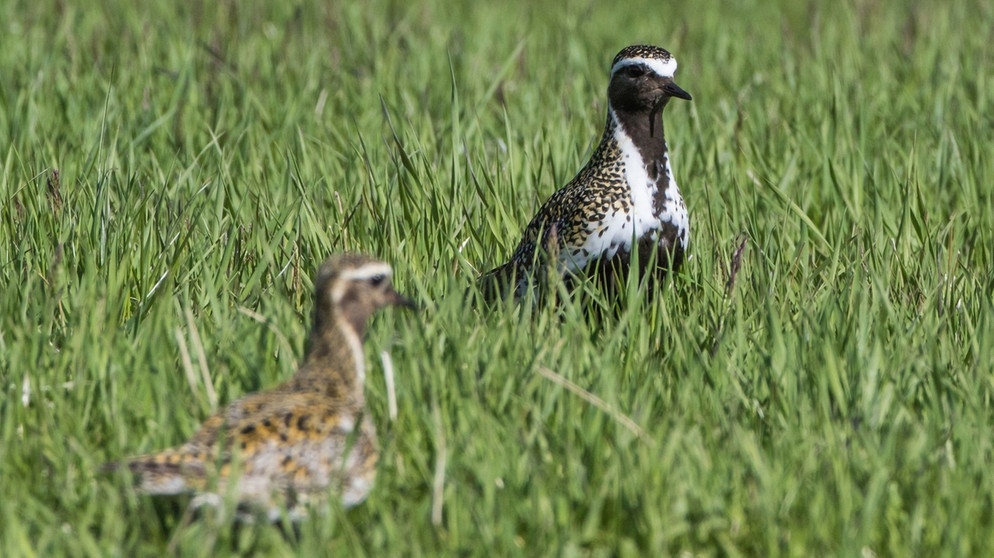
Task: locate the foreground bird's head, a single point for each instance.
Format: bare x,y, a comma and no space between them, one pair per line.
354,286
642,79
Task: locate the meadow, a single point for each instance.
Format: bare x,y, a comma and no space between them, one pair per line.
173,174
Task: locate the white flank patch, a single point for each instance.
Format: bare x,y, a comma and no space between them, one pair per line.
207,499
356,487
674,210
171,485
356,491
665,68
346,423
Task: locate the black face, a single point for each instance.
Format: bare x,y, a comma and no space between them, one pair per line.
637,88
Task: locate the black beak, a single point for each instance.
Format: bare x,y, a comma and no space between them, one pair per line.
397,299
674,90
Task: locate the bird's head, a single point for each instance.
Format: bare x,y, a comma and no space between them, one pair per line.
354,286
642,80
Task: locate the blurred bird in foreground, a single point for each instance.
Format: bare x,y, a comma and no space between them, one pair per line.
293,446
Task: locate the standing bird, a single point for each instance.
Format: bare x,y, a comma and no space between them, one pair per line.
625,197
293,445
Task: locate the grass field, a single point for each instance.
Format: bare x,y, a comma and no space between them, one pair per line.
173,173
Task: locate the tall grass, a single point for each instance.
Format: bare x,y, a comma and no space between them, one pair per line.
173,174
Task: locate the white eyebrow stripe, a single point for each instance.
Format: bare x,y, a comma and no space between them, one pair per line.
367,271
665,68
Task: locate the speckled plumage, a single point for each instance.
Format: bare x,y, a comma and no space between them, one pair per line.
626,193
296,444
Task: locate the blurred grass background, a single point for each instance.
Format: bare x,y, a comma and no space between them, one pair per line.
173,175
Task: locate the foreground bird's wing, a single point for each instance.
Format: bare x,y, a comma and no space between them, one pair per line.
284,438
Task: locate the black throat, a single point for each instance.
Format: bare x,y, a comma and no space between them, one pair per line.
645,128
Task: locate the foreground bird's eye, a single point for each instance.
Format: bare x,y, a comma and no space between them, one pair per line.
377,280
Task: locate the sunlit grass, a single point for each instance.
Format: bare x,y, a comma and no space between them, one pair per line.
173,175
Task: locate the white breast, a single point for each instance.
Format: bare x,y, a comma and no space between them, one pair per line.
618,229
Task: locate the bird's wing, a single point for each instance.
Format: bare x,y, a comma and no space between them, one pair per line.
256,433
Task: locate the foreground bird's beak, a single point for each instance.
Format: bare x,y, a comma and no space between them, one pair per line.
674,90
398,299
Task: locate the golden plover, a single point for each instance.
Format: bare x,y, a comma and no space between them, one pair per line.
293,445
625,198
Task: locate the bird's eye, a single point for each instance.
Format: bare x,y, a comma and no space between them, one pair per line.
635,70
377,280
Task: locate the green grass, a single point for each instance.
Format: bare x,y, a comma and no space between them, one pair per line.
838,401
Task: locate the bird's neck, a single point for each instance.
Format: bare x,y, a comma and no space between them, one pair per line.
636,138
335,363
644,128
